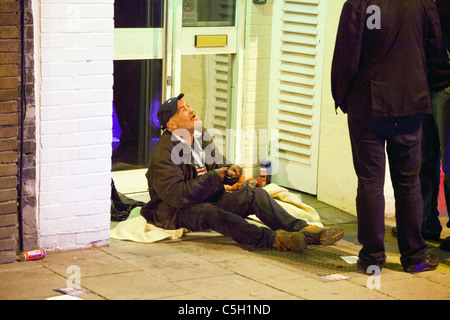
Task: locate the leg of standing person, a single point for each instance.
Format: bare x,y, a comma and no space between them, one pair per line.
430,178
368,150
441,113
447,195
404,152
445,244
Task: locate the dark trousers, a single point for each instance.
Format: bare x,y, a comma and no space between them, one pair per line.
430,176
370,139
441,114
226,214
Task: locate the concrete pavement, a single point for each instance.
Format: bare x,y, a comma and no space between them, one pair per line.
209,266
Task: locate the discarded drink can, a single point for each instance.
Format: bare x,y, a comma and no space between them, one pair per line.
32,255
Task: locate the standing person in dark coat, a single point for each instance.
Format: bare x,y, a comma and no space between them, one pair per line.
441,113
436,137
186,178
379,77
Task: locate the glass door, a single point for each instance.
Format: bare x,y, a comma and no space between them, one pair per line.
138,87
207,65
163,48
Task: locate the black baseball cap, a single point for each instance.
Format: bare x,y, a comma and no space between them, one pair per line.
167,110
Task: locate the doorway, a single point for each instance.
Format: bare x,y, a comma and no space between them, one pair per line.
296,69
163,48
137,82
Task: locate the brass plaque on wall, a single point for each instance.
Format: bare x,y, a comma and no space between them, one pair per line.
211,41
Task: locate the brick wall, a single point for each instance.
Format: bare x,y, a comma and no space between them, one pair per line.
9,127
76,63
27,160
17,163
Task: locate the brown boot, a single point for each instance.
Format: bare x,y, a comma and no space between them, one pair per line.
290,241
318,235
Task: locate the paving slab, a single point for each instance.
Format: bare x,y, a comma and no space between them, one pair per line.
234,287
315,289
90,262
414,289
28,281
178,267
138,285
126,250
263,270
205,266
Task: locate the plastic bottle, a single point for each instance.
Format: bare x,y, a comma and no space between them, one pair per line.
262,177
268,166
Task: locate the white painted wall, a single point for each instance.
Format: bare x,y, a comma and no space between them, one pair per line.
258,36
74,88
337,180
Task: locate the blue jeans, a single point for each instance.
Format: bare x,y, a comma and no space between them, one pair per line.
370,139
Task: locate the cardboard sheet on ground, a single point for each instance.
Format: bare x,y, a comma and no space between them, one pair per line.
136,228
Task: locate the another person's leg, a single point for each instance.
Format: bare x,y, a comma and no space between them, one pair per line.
368,150
445,244
441,113
430,178
404,152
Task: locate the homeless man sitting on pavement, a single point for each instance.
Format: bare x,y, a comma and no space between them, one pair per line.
186,186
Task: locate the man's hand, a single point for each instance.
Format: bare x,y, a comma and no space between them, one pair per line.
233,174
230,175
222,172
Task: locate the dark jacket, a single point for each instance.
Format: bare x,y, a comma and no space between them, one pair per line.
385,71
443,7
176,186
439,74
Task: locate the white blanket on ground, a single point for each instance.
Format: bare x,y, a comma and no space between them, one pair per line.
136,228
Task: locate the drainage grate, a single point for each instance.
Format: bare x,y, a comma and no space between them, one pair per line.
319,260
316,259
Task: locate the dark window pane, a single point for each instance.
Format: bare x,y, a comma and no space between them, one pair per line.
138,13
137,97
209,13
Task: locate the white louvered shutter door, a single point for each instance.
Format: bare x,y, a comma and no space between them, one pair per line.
219,79
218,103
296,92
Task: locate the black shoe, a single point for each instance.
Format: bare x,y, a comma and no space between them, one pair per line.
365,266
426,236
429,264
324,236
394,231
431,236
445,244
